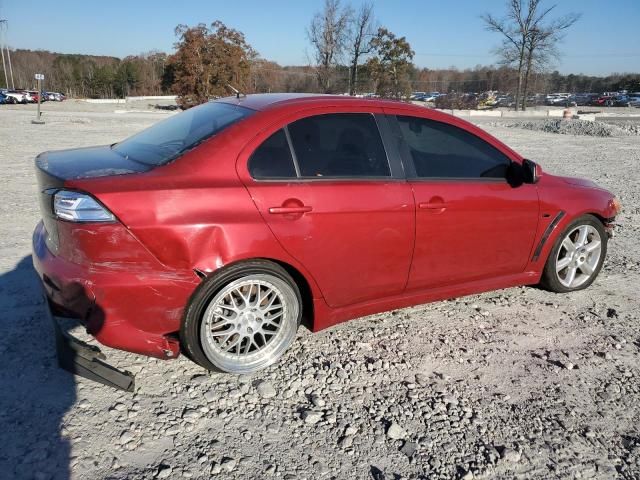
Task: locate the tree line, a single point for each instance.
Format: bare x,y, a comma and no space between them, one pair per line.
350,53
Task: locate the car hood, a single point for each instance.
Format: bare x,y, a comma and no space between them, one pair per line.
90,162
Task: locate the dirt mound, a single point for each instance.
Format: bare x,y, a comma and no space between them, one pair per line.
574,127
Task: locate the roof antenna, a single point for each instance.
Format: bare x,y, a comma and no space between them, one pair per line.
236,91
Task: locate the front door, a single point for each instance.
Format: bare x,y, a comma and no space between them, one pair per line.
471,223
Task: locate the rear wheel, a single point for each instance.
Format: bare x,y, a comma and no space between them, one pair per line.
243,319
577,256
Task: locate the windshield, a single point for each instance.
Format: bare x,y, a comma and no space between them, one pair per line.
168,139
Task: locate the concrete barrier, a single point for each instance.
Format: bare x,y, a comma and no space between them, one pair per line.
152,97
526,114
104,100
485,113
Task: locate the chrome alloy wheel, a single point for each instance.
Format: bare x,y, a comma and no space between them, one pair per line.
578,256
249,323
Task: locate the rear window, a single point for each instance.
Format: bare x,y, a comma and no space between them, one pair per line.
167,140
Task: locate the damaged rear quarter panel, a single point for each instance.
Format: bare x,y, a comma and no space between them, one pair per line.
194,213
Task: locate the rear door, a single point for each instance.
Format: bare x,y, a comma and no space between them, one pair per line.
337,204
471,224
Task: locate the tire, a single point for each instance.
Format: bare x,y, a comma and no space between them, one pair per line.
243,318
585,261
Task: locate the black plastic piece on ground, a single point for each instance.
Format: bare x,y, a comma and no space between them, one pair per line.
86,360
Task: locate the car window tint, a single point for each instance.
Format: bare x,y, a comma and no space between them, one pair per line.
440,150
272,159
339,145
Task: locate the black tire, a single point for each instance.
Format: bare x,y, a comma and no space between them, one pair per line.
550,278
190,332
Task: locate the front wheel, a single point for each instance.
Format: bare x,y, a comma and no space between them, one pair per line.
577,256
243,319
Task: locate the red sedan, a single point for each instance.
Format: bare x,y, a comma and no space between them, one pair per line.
217,231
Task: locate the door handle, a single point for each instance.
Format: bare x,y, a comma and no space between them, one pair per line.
289,210
433,206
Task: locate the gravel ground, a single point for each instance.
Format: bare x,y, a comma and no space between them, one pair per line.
518,383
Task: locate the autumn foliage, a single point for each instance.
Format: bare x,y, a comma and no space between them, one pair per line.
207,60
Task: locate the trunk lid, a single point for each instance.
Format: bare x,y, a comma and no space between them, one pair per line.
89,162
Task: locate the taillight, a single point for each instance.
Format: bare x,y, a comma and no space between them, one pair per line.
79,207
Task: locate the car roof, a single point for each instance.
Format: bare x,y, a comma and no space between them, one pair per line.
267,101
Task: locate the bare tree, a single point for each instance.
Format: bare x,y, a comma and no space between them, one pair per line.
525,36
362,31
541,47
328,34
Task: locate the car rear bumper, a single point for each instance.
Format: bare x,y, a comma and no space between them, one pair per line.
86,360
122,306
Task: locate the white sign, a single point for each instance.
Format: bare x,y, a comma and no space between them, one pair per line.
39,76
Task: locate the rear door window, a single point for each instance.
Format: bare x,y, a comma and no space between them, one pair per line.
343,145
440,150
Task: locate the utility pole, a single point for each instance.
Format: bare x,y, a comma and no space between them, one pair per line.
3,29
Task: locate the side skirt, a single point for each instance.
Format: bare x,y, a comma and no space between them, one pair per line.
326,316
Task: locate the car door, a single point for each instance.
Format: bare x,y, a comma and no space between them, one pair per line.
471,224
326,188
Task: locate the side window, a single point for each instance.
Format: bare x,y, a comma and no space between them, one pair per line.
339,145
440,150
273,158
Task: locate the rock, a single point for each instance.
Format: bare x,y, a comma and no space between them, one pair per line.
350,431
317,401
396,432
510,455
126,437
265,389
311,416
345,442
190,414
210,396
467,476
164,471
229,464
409,448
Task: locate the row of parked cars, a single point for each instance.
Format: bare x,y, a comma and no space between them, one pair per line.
497,99
29,96
606,99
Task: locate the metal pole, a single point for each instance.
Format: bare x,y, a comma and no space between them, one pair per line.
4,68
10,69
39,97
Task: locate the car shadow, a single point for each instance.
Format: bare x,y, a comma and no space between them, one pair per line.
35,393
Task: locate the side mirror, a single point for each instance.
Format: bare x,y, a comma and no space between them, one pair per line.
531,172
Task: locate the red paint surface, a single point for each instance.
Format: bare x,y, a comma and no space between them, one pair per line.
362,246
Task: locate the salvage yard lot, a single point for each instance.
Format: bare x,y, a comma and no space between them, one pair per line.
519,383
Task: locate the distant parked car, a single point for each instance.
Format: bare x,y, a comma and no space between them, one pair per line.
621,101
3,99
634,100
18,97
604,101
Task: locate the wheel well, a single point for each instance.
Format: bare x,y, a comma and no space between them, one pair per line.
305,292
599,217
299,278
